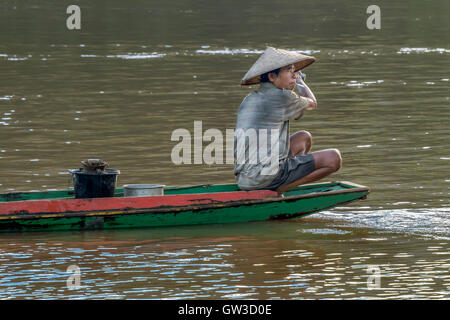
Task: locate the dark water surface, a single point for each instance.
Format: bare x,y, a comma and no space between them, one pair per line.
137,71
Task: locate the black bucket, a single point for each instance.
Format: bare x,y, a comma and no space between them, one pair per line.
94,185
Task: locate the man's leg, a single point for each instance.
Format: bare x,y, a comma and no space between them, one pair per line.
326,162
300,142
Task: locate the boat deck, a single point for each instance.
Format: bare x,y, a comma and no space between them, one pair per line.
191,189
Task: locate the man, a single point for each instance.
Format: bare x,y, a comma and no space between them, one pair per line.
266,156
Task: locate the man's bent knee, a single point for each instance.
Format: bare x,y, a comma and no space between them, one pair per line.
305,134
301,142
302,135
336,159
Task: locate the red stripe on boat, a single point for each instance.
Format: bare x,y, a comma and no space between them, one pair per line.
98,204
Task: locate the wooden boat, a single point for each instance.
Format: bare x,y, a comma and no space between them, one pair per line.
188,205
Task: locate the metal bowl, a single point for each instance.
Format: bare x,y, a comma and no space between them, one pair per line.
143,190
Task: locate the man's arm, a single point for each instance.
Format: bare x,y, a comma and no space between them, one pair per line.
305,92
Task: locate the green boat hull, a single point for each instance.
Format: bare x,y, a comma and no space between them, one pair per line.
299,202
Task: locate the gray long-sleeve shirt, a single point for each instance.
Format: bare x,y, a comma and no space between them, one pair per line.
261,141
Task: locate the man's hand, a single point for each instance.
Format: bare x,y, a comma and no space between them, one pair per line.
299,78
311,105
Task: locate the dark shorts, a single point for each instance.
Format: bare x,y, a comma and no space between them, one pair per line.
294,168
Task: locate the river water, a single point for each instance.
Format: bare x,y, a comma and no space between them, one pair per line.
118,88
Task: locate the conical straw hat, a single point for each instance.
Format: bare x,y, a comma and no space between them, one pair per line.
273,59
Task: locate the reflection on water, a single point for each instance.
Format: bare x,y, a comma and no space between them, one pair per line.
316,258
137,71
